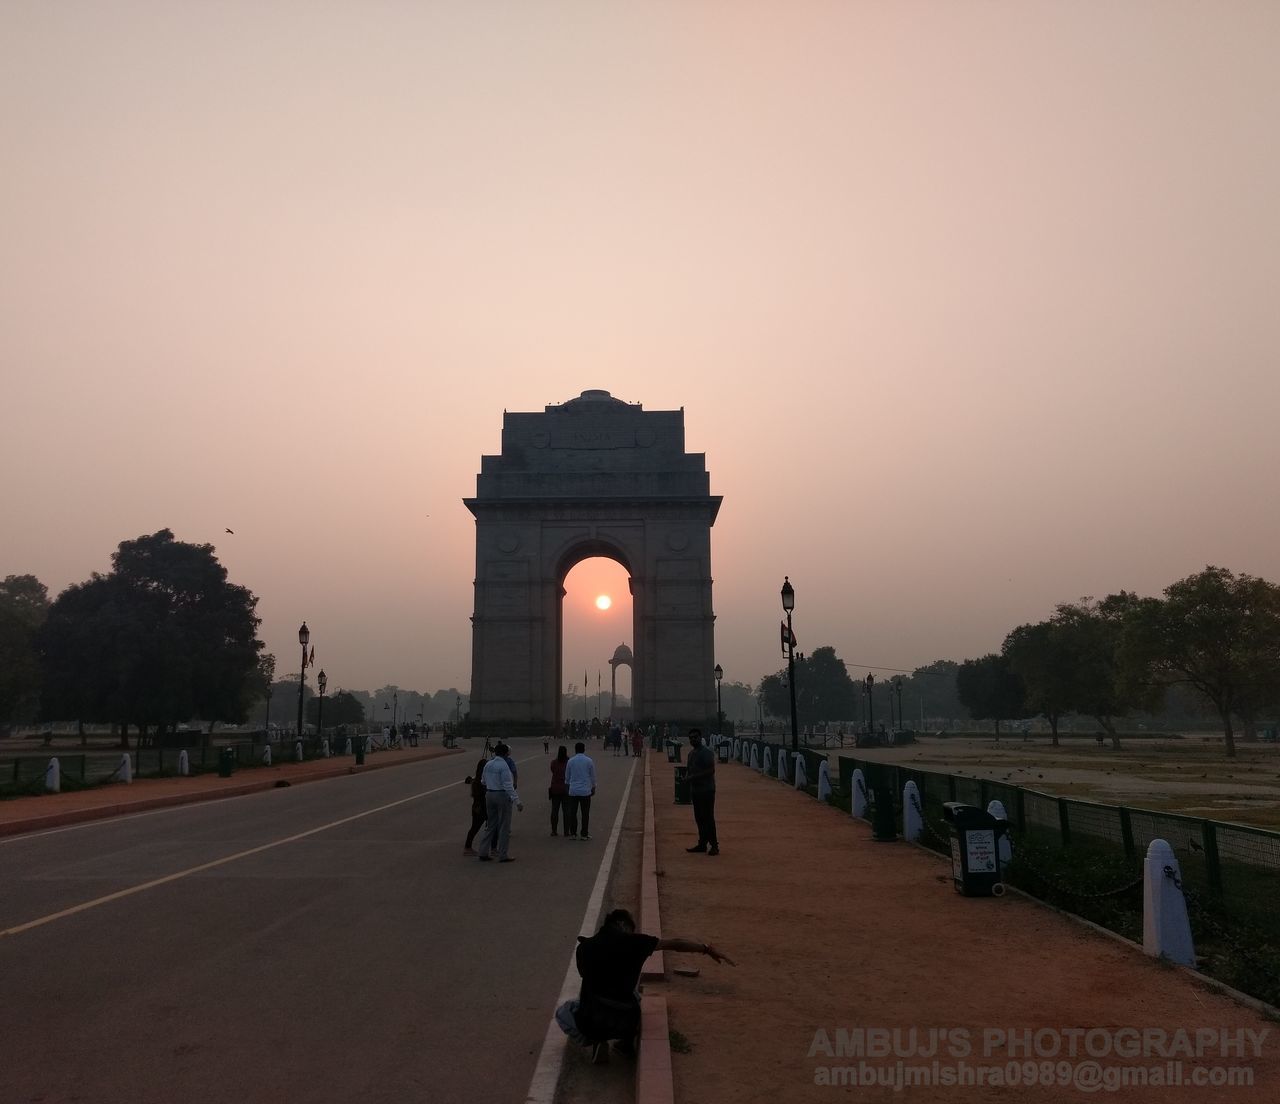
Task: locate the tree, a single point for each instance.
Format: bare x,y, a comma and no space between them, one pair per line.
163,637
989,688
1043,656
24,605
343,708
1215,631
824,690
934,687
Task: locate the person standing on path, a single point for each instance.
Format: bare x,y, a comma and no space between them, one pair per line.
637,742
580,778
702,788
558,792
500,795
478,811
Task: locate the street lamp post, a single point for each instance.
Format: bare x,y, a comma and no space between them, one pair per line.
871,713
322,681
719,673
304,636
457,712
395,709
897,685
788,604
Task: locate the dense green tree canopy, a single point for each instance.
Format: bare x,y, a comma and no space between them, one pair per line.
991,690
24,605
163,637
824,690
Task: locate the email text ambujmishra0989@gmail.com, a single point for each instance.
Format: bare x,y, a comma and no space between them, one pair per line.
1097,1059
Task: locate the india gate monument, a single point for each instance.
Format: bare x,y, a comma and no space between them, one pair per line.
594,476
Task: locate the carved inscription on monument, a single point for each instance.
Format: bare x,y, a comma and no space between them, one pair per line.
593,439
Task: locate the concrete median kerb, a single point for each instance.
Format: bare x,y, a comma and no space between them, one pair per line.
38,813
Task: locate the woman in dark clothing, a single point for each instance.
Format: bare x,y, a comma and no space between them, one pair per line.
558,791
478,814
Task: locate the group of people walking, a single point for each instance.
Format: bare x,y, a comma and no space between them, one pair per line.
494,796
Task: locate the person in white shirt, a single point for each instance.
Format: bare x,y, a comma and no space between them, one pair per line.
580,778
500,796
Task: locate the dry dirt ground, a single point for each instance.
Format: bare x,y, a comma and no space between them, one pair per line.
1190,775
834,932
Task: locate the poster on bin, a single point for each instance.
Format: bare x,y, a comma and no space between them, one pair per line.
981,847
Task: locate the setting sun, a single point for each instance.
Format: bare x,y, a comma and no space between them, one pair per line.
604,602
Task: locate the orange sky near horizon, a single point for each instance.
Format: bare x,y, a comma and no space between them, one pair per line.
969,305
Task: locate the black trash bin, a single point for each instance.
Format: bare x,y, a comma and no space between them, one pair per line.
723,750
226,762
684,792
975,849
673,752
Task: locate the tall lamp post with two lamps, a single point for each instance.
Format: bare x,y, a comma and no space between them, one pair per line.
304,637
719,673
789,646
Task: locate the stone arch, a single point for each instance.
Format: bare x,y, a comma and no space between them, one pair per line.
591,477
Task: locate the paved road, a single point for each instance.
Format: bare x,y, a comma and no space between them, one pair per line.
367,961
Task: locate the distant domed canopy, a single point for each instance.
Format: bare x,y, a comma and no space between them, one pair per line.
622,654
595,396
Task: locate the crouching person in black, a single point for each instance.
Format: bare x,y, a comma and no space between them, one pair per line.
608,1005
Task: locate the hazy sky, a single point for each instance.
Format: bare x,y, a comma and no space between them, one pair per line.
971,306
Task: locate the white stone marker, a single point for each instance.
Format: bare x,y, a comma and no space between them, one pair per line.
858,799
802,773
768,760
1166,928
324,748
912,821
297,751
782,765
368,745
266,755
737,749
126,769
53,776
824,780
755,756
184,763
995,808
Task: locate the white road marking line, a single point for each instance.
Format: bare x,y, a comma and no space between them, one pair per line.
546,1074
41,921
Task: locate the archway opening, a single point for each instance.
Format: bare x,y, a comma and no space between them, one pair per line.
596,618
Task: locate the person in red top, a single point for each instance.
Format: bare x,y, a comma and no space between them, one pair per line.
558,791
637,741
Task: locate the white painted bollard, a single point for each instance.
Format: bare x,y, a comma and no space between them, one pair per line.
768,760
184,763
368,745
801,772
755,756
1005,846
737,750
125,769
53,776
297,751
782,765
858,799
912,821
1166,928
324,748
266,755
824,780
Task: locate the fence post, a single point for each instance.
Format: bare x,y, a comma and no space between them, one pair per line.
1004,848
53,776
912,823
1166,928
1212,866
1126,832
984,794
1020,803
824,780
858,794
951,787
1064,822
